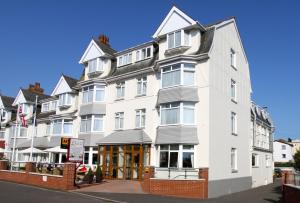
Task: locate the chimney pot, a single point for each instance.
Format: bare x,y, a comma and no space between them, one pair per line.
104,39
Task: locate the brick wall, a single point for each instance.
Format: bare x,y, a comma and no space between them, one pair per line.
2,144
65,182
291,194
179,188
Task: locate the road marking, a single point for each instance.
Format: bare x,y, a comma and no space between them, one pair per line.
96,197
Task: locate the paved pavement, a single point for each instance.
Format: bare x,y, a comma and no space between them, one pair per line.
15,193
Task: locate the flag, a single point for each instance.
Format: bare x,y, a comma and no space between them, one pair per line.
22,117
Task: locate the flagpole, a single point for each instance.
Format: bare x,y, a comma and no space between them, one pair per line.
34,128
15,135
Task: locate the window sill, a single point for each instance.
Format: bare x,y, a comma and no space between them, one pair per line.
95,73
234,171
140,95
119,99
235,134
255,166
234,67
234,101
176,124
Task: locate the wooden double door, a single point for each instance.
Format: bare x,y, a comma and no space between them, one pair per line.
124,161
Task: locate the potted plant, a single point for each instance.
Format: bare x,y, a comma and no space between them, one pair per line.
90,176
99,176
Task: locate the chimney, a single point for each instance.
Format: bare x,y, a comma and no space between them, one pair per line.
36,88
104,39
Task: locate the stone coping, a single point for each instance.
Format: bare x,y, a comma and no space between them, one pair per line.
44,174
13,171
198,179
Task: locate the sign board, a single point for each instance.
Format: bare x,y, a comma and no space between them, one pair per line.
75,150
64,143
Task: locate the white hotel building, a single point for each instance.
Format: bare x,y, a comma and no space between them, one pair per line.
180,101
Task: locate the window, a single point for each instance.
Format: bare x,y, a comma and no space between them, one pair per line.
171,75
255,160
283,156
49,106
119,120
283,147
45,107
93,94
91,123
48,129
233,123
95,65
178,38
125,59
144,53
121,90
177,156
233,90
233,160
232,58
175,113
62,126
142,86
3,116
65,99
25,108
268,161
140,118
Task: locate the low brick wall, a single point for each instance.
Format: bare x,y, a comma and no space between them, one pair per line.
65,182
179,188
291,194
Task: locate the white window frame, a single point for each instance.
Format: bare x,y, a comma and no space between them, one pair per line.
51,106
233,90
233,122
119,119
139,53
67,97
233,162
233,58
92,118
99,65
49,128
180,152
3,115
124,59
180,107
185,38
268,161
25,108
183,68
256,160
63,121
93,89
120,87
140,115
142,82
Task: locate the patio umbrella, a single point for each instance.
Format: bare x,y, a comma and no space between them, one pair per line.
56,149
34,150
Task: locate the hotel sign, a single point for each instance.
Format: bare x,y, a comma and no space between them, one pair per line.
64,143
75,150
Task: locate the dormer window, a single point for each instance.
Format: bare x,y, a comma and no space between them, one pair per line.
49,106
25,108
95,65
178,38
65,99
125,59
144,53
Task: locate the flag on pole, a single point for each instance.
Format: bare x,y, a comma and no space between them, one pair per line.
22,117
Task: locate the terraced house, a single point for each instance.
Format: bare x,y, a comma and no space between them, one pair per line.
178,103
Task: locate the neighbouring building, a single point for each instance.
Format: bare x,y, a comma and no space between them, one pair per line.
7,113
178,103
296,146
262,129
282,151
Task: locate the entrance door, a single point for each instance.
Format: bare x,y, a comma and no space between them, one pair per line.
128,160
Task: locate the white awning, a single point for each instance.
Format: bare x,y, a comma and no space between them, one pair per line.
34,150
56,149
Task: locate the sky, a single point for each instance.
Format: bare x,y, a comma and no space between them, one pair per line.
40,40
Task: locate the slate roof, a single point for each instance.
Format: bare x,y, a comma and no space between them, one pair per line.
206,41
7,101
45,115
72,82
105,48
261,113
29,96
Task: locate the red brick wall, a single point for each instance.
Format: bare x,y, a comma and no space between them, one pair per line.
290,194
179,188
2,144
63,183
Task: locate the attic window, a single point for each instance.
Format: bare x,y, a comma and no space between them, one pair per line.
144,53
95,65
178,38
125,59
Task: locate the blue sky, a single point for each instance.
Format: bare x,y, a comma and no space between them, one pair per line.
39,40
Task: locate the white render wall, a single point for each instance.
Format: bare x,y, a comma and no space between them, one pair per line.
278,151
262,174
220,138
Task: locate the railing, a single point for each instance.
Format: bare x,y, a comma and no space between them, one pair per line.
2,134
293,179
177,173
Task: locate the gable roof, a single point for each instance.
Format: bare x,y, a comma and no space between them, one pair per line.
72,82
68,83
7,101
30,97
104,47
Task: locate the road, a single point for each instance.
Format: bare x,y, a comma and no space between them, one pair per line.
17,193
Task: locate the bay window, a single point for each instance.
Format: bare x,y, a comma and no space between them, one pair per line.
49,106
121,90
95,65
93,94
142,86
178,38
140,118
119,120
177,113
91,123
65,99
62,126
176,156
178,74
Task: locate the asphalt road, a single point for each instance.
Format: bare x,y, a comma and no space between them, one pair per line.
14,193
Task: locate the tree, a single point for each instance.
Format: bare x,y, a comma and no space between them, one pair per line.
297,160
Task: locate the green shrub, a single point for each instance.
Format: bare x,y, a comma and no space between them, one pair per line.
99,176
